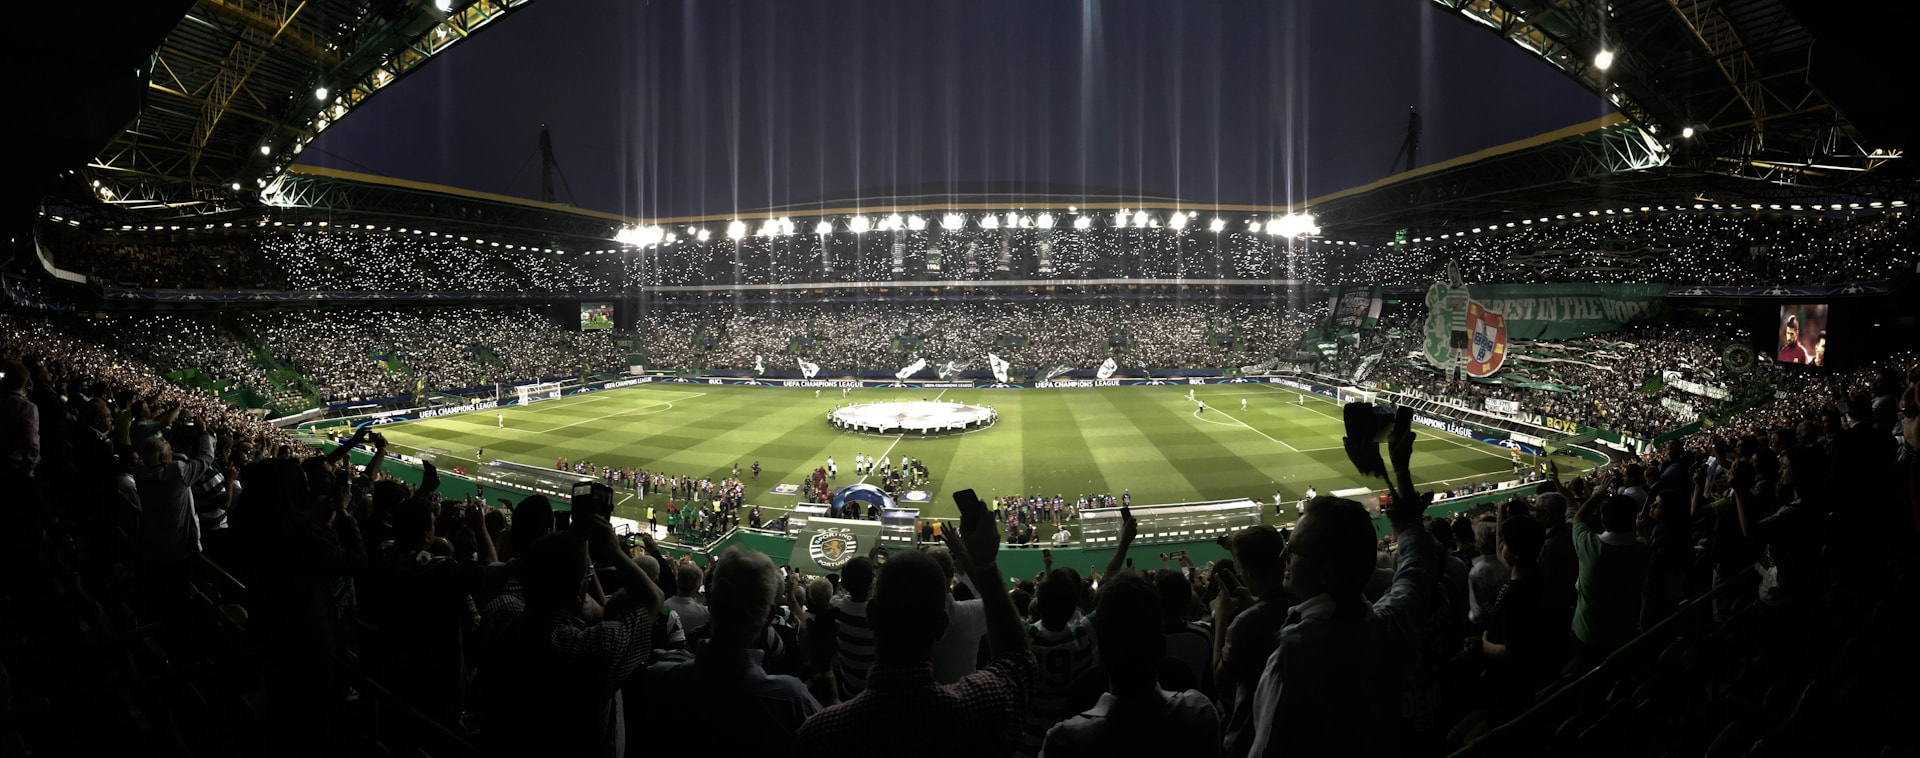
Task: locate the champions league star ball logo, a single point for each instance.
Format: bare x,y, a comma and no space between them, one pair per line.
833,547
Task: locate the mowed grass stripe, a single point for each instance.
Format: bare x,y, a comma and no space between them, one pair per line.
1058,459
1193,455
1127,454
1048,441
991,462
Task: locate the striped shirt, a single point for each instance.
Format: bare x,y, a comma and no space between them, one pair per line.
1061,657
855,638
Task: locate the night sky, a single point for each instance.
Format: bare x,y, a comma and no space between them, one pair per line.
682,108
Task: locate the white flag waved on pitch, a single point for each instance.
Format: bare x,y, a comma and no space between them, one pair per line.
910,370
999,366
808,370
1106,369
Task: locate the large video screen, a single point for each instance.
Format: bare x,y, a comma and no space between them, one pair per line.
596,316
1803,335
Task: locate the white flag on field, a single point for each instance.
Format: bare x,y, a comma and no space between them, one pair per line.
910,370
808,370
1106,369
999,366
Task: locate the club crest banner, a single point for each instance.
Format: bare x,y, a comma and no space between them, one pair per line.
759,365
808,370
1000,366
1106,369
1487,340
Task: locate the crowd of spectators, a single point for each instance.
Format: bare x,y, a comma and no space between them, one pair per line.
1319,639
386,353
1704,248
1699,247
1032,334
319,259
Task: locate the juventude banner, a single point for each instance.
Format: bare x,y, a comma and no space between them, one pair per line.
1565,311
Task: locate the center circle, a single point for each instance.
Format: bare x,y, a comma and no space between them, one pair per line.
912,416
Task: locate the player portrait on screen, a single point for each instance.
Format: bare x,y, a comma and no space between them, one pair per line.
1803,335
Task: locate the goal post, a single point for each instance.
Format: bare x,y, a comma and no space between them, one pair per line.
543,391
1355,395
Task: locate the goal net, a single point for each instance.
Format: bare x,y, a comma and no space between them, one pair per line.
531,392
1355,395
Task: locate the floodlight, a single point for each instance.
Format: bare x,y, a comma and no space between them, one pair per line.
859,224
990,221
1178,220
1218,224
1045,221
1687,132
1013,220
649,235
1140,219
443,5
737,230
1120,219
785,227
953,222
916,224
823,228
266,149
1253,227
1083,223
886,224
895,222
320,93
236,186
703,235
1603,60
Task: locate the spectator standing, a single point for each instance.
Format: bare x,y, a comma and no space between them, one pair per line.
562,674
853,632
1613,566
728,670
980,715
1249,607
1135,716
686,600
1337,651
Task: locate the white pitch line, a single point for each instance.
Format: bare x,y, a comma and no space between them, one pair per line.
1243,424
883,454
635,411
1442,436
896,441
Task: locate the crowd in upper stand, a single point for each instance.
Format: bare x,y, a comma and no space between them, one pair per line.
1681,249
1031,334
1703,248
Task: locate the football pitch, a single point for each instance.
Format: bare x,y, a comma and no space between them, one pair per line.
1151,441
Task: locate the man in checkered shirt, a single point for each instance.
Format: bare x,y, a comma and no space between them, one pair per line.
979,715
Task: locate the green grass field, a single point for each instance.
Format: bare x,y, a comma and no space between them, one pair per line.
1148,440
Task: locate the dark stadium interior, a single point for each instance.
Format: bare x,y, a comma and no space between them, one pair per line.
1704,293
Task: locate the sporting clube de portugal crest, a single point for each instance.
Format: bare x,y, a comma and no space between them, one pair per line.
1462,332
833,546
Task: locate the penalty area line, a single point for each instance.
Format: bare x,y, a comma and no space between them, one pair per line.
1244,425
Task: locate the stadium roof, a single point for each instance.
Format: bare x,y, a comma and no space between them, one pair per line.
235,76
239,87
1788,91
